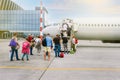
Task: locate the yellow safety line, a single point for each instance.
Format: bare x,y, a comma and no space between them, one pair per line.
59,69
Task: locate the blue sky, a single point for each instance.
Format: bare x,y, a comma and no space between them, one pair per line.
60,9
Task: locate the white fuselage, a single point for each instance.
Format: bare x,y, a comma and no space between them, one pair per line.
98,32
92,29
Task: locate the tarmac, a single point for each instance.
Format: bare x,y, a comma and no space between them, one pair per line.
92,61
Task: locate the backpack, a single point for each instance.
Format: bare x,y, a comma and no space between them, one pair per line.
13,43
25,45
38,44
65,40
44,42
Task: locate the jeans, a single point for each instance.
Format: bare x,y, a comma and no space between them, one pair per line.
73,47
12,54
26,56
65,48
57,50
31,49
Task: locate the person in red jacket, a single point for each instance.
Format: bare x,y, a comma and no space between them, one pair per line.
25,49
30,37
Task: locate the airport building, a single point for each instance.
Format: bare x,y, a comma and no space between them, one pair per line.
9,5
13,18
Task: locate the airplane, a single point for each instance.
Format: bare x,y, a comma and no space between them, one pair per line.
105,29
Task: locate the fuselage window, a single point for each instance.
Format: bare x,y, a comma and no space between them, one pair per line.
89,25
104,24
108,25
119,25
112,25
101,24
95,25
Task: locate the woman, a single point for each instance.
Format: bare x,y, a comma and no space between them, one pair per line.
14,47
25,49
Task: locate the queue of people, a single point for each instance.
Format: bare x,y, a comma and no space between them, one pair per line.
47,42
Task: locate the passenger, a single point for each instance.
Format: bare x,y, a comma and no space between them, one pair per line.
56,41
31,40
61,34
65,34
38,42
73,43
30,37
64,26
25,49
69,31
47,46
60,40
65,41
32,44
14,47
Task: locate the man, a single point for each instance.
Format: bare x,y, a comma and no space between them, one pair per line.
65,41
56,41
48,46
30,37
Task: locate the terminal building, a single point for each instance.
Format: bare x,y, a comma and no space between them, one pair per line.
14,18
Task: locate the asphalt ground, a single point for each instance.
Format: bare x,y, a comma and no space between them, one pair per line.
92,61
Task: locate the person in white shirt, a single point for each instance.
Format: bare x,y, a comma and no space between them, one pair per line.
38,42
64,27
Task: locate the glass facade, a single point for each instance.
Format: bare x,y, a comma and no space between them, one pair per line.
21,21
14,19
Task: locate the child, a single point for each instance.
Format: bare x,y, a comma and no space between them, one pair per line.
25,49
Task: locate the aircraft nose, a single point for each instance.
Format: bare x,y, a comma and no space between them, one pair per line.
52,30
45,30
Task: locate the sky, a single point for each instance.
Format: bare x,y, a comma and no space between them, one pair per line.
74,9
